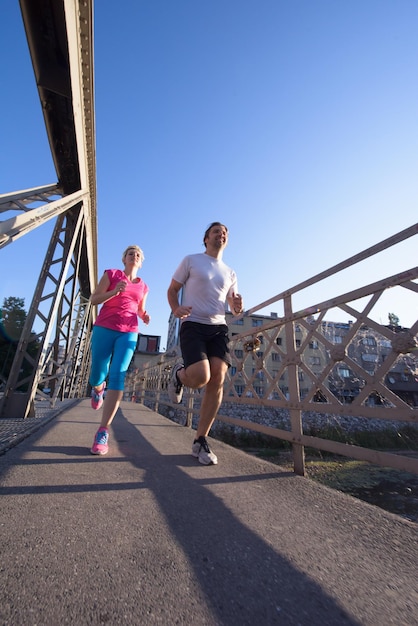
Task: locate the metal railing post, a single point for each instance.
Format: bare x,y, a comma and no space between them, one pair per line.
295,413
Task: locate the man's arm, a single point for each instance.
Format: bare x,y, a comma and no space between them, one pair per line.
173,300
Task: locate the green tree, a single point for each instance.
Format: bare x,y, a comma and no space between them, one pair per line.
12,321
13,317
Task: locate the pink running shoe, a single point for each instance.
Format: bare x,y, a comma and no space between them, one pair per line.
100,442
97,397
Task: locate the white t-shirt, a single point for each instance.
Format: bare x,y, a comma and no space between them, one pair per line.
207,282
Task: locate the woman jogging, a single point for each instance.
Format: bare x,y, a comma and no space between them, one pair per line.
122,295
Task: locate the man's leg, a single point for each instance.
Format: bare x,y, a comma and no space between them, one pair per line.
196,375
212,397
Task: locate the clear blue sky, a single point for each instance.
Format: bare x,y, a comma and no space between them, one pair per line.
294,122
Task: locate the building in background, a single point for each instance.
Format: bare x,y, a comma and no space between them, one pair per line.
147,350
366,350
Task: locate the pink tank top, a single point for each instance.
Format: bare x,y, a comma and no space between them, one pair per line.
121,312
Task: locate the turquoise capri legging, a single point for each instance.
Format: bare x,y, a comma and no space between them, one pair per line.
111,354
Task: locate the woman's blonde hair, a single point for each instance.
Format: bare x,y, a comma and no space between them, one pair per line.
137,249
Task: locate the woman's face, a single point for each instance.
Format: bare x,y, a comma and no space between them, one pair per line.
132,257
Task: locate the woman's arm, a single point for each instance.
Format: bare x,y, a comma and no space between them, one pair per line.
101,293
142,314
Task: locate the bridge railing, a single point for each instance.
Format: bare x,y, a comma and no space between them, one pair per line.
302,372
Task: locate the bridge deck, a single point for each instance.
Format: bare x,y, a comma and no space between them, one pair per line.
146,535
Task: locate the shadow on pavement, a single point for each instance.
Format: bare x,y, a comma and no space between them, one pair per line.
244,580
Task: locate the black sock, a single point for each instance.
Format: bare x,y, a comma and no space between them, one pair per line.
177,376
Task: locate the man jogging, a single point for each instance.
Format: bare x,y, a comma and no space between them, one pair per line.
207,286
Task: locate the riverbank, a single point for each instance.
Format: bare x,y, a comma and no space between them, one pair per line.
393,490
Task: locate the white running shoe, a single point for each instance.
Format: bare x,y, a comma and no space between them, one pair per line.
201,451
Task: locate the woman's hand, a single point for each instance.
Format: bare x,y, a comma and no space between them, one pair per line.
120,287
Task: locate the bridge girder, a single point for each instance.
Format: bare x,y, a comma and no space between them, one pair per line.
60,40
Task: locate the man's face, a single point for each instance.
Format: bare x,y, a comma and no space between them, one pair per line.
217,237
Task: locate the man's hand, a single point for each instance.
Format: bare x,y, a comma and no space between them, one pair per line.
237,303
182,311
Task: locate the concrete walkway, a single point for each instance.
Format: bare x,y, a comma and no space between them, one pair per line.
146,535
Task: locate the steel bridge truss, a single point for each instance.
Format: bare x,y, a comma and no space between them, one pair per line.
54,363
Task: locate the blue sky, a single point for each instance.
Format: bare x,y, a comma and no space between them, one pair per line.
294,122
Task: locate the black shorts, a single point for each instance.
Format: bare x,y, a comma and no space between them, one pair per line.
199,342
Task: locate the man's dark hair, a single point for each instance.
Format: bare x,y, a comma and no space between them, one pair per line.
208,229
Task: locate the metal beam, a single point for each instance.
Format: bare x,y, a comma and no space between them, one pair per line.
60,39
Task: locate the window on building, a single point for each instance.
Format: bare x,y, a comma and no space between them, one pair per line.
148,343
338,339
257,322
239,389
279,341
368,341
370,358
297,343
315,360
276,357
313,345
239,353
344,372
239,322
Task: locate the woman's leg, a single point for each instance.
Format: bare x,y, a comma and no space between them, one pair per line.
102,341
123,351
110,406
